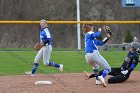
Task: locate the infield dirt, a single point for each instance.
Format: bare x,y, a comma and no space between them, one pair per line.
65,83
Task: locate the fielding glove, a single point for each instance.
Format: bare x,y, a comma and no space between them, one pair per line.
38,46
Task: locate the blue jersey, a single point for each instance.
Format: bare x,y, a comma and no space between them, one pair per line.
91,42
45,35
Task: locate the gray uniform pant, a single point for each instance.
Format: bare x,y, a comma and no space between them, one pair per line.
95,60
44,52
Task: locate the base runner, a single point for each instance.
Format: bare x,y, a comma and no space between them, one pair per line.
121,74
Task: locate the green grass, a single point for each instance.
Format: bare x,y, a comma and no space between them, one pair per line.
17,62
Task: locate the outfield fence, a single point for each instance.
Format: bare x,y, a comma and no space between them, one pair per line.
25,33
70,22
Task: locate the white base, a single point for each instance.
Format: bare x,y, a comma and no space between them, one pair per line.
43,83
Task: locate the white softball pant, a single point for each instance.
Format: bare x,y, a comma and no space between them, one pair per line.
95,60
44,52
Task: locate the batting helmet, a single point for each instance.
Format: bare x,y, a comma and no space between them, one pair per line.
135,45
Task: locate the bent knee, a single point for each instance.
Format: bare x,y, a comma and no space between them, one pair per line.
108,69
36,60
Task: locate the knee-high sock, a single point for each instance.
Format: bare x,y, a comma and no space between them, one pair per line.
96,72
53,64
105,73
34,68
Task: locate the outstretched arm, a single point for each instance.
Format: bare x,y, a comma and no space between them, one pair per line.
104,40
96,34
132,67
134,64
109,33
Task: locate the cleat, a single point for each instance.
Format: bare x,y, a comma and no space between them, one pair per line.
61,68
28,72
32,75
86,74
102,80
98,82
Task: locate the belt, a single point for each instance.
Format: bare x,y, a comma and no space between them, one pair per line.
89,52
47,44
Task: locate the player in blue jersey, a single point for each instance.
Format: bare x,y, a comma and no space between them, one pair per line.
45,51
92,54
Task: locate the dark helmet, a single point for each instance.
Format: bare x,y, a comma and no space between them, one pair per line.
135,45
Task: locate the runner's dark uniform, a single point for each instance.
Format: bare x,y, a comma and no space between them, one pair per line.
122,73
